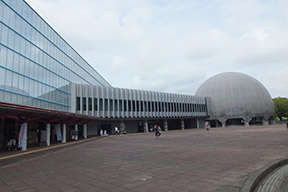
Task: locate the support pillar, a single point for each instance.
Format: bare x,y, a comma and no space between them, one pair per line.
64,133
165,125
146,126
182,124
246,123
122,126
23,137
48,129
197,121
85,131
76,132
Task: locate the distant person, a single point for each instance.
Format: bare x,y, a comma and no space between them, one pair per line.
157,130
117,131
12,142
207,127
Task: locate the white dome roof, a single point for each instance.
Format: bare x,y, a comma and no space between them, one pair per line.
236,95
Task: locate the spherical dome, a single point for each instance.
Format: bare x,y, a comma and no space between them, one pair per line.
236,95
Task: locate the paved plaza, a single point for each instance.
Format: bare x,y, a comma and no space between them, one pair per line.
191,160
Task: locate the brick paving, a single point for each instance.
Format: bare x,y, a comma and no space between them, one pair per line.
192,160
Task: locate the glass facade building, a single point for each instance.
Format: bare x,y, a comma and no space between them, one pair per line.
45,85
37,65
40,69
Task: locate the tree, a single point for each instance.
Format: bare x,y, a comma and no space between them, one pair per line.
281,107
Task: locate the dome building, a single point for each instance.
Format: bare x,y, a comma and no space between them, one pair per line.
237,99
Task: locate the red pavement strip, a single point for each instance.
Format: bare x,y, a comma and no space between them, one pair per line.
219,160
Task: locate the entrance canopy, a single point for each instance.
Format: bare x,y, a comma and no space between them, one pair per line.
25,114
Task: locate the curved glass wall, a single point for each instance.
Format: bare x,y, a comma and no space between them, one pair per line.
37,66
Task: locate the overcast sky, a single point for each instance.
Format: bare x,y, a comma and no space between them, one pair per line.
175,45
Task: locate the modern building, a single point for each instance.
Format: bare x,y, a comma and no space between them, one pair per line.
237,99
49,93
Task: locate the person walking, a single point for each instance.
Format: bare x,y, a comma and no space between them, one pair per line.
207,127
159,130
156,131
116,131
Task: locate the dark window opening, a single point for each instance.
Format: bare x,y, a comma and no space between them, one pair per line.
133,106
111,104
101,104
90,104
116,105
84,103
137,104
95,104
129,105
141,106
78,104
106,104
125,105
120,105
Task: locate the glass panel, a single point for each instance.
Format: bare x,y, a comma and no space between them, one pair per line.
2,77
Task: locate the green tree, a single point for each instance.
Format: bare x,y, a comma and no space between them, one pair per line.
281,107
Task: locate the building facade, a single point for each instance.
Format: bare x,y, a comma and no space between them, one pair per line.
49,93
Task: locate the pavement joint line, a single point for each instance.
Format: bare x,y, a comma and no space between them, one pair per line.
46,148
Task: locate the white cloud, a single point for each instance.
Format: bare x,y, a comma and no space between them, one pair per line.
175,46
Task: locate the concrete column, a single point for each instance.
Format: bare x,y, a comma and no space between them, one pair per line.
85,131
64,133
122,126
182,124
197,121
76,130
165,125
146,126
246,123
48,129
24,126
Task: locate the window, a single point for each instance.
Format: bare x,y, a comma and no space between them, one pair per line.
78,103
129,105
90,103
142,107
157,106
84,103
149,106
133,106
125,105
116,105
95,104
120,105
101,104
106,104
137,104
111,104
